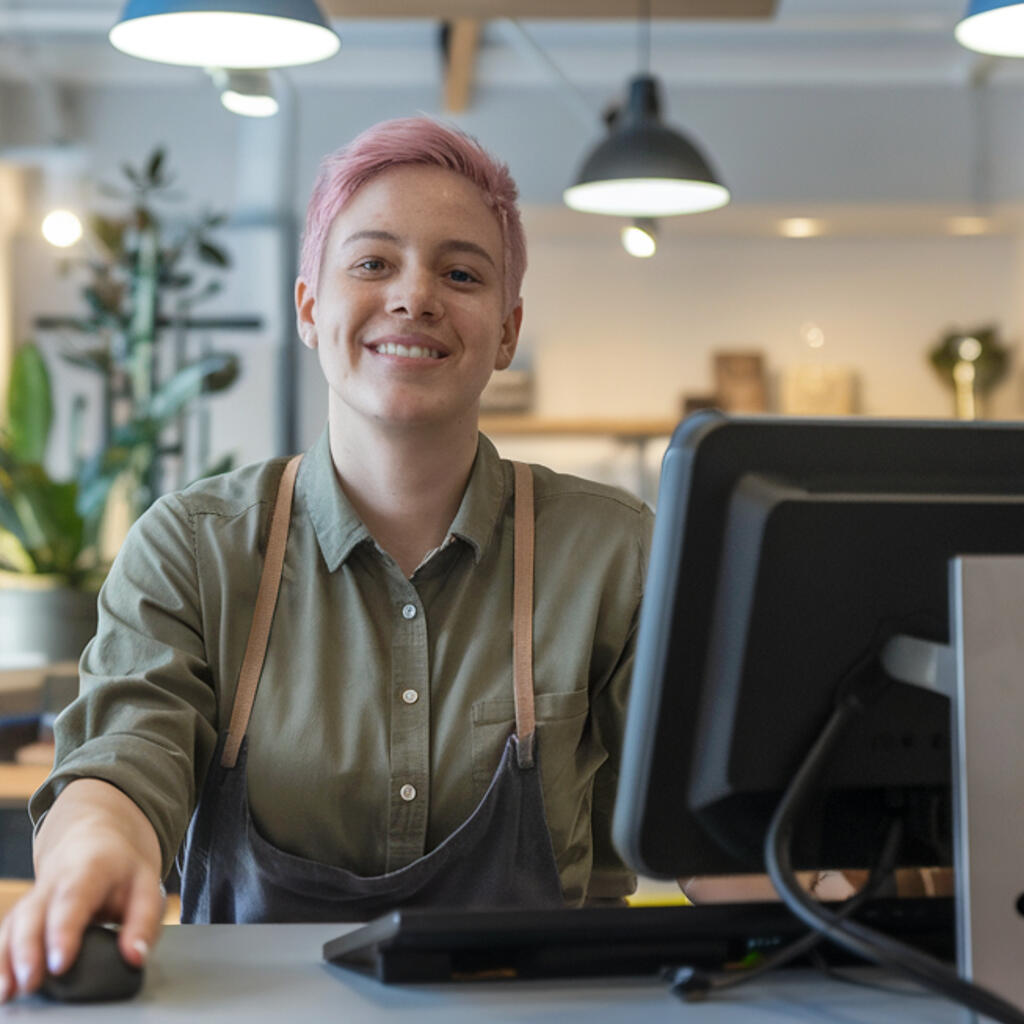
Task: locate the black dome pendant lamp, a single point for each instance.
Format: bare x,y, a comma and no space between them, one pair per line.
644,168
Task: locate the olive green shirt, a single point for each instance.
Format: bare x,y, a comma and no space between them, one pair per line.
373,682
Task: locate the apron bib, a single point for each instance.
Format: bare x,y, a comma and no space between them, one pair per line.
500,856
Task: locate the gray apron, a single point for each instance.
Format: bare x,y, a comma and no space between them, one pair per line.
501,856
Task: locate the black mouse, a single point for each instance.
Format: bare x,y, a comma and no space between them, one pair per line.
99,973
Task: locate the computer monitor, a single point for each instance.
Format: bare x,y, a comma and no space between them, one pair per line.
785,553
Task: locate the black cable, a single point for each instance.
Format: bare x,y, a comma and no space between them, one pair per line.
693,983
865,942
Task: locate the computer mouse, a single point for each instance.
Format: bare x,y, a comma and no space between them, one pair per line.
99,973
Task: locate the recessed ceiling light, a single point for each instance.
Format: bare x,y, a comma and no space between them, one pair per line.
801,227
968,225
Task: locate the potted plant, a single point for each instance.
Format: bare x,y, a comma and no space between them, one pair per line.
51,557
972,363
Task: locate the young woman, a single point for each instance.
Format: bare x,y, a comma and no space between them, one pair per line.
442,641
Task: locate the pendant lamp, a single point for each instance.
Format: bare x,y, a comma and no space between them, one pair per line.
993,26
644,168
225,33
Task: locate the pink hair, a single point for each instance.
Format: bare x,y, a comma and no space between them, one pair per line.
413,140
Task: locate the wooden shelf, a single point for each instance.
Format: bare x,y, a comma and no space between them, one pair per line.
540,426
18,782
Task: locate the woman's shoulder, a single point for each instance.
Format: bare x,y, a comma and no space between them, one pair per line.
579,494
234,492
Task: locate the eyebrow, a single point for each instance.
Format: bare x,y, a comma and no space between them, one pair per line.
448,245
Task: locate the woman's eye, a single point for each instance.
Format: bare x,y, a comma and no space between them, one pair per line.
371,265
461,276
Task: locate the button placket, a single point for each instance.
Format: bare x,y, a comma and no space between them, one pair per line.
410,729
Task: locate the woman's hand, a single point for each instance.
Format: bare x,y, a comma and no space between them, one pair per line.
97,858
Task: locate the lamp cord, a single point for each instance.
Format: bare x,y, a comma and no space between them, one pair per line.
644,42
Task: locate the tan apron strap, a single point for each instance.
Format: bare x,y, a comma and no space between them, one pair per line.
266,601
522,613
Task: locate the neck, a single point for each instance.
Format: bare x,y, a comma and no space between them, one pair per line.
405,483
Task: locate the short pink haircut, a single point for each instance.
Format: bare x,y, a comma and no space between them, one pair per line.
413,140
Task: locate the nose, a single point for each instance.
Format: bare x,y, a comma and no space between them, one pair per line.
415,294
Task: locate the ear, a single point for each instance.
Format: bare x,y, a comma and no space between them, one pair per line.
304,313
509,337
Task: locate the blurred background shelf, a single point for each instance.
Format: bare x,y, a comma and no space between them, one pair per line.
634,430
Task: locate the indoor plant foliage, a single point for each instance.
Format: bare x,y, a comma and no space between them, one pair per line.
140,282
972,363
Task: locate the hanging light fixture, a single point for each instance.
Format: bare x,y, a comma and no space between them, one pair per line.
249,93
644,168
993,26
225,33
640,238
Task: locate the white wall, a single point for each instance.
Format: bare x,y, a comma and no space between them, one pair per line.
606,334
619,336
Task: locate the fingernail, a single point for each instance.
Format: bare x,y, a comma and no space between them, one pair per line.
22,972
55,960
141,946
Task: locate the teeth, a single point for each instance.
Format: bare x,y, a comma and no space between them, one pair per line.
389,348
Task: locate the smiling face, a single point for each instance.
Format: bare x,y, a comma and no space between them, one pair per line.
407,318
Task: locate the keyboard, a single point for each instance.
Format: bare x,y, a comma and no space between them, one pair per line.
420,945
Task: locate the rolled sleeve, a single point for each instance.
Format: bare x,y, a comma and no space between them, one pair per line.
145,717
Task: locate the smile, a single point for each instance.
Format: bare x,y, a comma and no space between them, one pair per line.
391,348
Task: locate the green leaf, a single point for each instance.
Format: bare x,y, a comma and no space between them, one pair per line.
208,290
8,517
101,302
90,359
210,253
98,474
29,405
129,172
171,280
13,556
52,530
212,373
223,465
155,166
110,234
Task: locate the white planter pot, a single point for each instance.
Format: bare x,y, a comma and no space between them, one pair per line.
42,621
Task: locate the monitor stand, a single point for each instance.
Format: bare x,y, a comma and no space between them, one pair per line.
982,672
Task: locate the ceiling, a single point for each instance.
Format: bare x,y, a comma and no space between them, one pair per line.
841,41
784,93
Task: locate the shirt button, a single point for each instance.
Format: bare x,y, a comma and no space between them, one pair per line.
409,611
407,792
410,696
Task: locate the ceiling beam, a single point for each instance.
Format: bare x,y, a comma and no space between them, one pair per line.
463,41
561,9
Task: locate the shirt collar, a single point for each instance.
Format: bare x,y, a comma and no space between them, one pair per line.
339,529
483,500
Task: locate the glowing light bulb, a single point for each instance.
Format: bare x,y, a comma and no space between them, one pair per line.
640,238
61,228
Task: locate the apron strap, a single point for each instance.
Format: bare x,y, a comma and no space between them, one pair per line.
266,600
522,614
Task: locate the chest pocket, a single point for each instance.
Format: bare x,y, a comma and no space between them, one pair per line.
561,719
